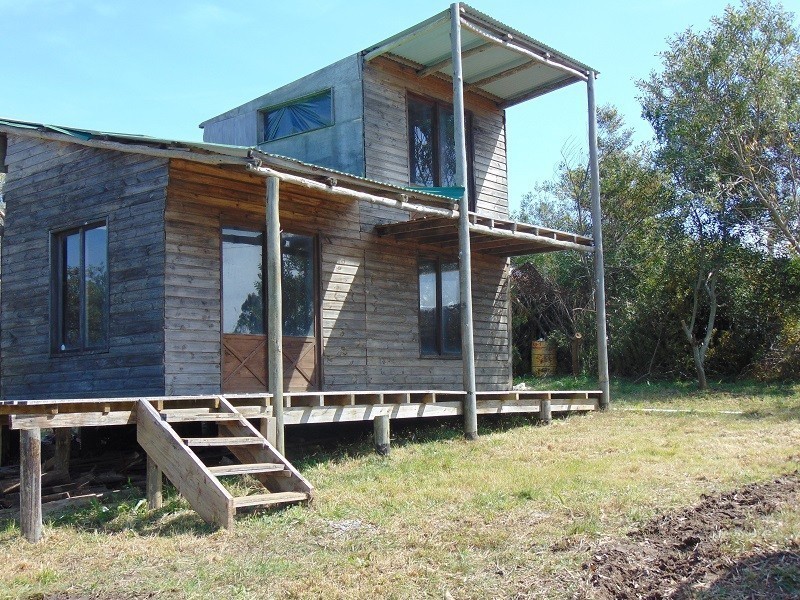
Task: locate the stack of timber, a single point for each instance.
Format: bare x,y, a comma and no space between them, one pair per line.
86,480
178,459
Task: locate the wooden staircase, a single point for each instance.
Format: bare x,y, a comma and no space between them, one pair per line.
199,483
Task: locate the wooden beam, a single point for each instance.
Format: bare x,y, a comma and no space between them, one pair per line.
443,62
597,231
529,64
274,309
30,483
540,91
154,485
464,256
63,448
353,194
381,426
545,412
521,235
544,58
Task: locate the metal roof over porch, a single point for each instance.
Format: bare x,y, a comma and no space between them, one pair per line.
498,61
497,237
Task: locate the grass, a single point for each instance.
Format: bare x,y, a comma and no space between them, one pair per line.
514,514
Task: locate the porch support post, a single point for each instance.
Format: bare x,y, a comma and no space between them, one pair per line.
465,259
154,485
274,309
30,484
597,234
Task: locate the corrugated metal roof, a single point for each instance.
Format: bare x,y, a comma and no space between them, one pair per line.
497,60
238,154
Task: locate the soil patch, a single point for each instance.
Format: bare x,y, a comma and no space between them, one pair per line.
678,555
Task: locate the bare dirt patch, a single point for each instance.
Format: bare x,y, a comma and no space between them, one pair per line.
679,555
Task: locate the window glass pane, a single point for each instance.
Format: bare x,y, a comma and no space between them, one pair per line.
297,281
451,309
447,148
71,291
420,131
242,282
427,307
304,115
96,282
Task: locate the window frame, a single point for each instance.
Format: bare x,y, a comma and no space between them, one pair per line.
470,141
57,243
262,112
243,225
438,261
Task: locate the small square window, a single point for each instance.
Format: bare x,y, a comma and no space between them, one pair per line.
298,116
80,288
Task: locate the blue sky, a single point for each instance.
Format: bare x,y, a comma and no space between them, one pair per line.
162,67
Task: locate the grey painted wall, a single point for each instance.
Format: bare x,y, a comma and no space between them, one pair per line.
339,147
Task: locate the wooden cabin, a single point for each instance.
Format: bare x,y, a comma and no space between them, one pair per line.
313,252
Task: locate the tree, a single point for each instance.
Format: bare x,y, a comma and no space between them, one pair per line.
726,113
557,300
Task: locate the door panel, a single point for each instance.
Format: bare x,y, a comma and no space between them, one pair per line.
244,358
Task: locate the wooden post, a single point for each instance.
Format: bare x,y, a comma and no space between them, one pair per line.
464,255
268,429
275,309
545,412
63,449
597,234
154,485
381,427
30,484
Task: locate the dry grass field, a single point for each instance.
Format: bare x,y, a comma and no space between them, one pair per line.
525,512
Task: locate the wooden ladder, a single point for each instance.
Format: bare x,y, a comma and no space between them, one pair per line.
199,483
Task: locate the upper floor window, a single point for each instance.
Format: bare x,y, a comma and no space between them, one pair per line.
432,152
80,290
439,308
298,116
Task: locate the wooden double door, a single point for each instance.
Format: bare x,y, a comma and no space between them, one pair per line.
244,339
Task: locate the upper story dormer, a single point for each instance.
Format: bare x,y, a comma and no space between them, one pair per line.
386,113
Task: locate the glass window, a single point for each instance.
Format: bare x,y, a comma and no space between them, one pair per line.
297,284
81,288
298,116
439,308
432,148
243,283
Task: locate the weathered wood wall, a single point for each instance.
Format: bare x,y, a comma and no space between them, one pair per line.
386,86
368,289
54,186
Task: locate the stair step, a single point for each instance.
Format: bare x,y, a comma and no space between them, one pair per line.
249,469
224,441
199,417
270,499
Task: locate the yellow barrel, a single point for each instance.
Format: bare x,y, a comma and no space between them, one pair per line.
543,358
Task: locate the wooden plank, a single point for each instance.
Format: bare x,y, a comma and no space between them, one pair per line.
274,499
249,469
215,442
192,479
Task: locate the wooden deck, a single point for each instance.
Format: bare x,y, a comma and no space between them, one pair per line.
300,407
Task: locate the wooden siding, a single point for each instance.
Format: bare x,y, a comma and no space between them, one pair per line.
386,85
368,288
54,186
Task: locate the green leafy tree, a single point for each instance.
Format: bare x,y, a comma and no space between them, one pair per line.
726,112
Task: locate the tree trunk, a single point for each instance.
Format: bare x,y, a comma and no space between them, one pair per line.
700,367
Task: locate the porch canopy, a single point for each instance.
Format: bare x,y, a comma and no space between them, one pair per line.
498,61
497,237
